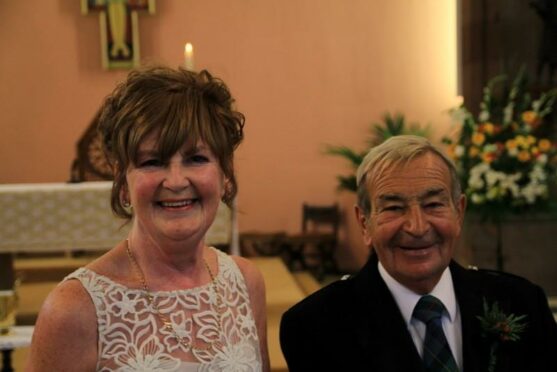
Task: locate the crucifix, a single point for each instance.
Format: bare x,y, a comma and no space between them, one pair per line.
119,29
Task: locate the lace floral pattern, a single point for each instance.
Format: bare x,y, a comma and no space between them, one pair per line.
131,337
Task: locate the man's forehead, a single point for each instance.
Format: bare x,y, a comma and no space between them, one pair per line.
416,177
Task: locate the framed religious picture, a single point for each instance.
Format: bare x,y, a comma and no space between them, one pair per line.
119,27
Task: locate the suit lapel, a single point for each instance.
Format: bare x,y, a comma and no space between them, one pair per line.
382,333
470,301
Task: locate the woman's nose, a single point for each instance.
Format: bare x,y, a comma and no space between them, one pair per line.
416,222
176,177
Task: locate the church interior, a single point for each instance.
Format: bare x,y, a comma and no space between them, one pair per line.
309,76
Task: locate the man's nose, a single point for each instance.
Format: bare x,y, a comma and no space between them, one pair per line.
416,223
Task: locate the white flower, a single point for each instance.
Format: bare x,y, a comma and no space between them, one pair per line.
459,115
508,183
476,182
538,174
542,159
534,190
483,116
508,113
513,152
480,168
477,198
459,151
492,177
492,193
536,105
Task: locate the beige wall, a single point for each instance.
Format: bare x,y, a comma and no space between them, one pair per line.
305,72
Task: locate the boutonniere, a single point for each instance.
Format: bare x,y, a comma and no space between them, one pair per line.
499,327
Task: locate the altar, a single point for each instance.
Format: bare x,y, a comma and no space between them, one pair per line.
68,217
58,217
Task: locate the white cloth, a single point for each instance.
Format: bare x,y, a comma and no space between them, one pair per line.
132,338
407,300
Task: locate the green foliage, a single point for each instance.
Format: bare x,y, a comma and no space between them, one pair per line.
392,125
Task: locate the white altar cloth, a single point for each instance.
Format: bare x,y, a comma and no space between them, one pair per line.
57,217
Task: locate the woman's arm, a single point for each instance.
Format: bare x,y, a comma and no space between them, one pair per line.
65,336
256,289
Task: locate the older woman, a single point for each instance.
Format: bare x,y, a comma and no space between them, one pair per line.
162,300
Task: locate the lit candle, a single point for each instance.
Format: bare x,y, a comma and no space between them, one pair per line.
188,56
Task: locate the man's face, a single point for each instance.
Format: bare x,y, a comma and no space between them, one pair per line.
414,224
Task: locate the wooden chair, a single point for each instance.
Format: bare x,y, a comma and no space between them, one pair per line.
314,249
255,244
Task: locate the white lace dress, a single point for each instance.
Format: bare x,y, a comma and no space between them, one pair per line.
132,338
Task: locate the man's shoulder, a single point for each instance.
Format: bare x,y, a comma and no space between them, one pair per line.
499,281
326,300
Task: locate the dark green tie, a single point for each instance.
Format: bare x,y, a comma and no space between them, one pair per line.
437,354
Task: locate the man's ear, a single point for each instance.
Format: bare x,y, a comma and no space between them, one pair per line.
363,222
461,207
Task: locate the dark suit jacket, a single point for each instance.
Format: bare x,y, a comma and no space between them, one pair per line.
355,325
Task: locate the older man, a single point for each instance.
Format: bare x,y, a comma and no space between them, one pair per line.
411,307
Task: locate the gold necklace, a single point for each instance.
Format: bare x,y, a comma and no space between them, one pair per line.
167,323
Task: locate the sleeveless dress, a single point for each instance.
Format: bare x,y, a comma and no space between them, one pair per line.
131,336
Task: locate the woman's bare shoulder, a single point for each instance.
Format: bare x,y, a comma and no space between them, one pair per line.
251,273
66,327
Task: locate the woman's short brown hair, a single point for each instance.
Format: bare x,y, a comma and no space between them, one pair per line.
182,107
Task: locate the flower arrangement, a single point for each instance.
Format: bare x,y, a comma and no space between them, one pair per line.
499,327
505,157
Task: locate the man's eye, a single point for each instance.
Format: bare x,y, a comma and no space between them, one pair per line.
393,208
434,205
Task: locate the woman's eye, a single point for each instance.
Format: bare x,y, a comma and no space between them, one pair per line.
150,163
198,159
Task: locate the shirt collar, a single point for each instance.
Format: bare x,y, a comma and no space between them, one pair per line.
407,299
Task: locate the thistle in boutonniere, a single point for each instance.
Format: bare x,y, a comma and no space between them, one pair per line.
499,328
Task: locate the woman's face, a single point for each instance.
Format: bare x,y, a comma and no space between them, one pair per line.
177,200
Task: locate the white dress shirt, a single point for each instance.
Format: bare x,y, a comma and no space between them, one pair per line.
407,300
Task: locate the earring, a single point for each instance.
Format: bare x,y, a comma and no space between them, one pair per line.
126,203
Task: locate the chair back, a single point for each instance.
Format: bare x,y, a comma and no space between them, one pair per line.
320,218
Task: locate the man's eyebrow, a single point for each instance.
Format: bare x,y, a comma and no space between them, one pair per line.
391,198
433,192
394,197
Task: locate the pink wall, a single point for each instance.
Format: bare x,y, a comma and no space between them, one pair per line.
306,73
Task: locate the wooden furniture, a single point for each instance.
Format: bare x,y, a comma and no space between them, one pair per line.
66,217
314,248
255,244
19,336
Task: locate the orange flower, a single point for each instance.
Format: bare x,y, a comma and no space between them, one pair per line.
488,128
544,145
478,138
488,157
530,140
521,141
531,118
473,152
523,156
534,150
511,144
450,150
